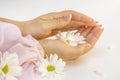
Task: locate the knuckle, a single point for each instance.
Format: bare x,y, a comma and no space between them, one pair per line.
58,21
70,11
51,13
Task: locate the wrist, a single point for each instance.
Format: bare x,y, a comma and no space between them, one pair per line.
32,27
23,27
20,25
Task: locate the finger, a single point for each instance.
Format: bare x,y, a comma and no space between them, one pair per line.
94,35
81,29
83,48
75,24
76,16
80,17
57,23
86,31
97,31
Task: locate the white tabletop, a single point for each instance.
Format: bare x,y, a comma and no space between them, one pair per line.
103,61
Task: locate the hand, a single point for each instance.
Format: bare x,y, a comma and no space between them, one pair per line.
49,24
67,52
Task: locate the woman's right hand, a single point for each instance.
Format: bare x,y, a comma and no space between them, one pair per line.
67,52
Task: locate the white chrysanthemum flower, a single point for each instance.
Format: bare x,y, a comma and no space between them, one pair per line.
50,67
9,66
71,37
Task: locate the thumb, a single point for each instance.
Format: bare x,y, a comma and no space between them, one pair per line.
57,23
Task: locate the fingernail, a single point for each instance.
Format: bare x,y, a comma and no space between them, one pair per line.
67,18
100,25
96,21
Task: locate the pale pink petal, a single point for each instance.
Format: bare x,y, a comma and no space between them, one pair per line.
9,35
27,48
28,72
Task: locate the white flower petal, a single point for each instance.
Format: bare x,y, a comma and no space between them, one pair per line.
15,71
53,58
75,38
12,62
60,65
11,58
9,77
61,36
77,34
72,38
82,42
73,44
54,61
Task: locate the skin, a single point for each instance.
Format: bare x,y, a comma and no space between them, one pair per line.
71,53
49,24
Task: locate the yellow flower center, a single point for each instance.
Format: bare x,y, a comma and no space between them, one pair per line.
68,41
50,68
5,69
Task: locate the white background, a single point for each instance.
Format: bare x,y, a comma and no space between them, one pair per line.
102,62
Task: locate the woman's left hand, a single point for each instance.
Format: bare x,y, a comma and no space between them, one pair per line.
49,24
